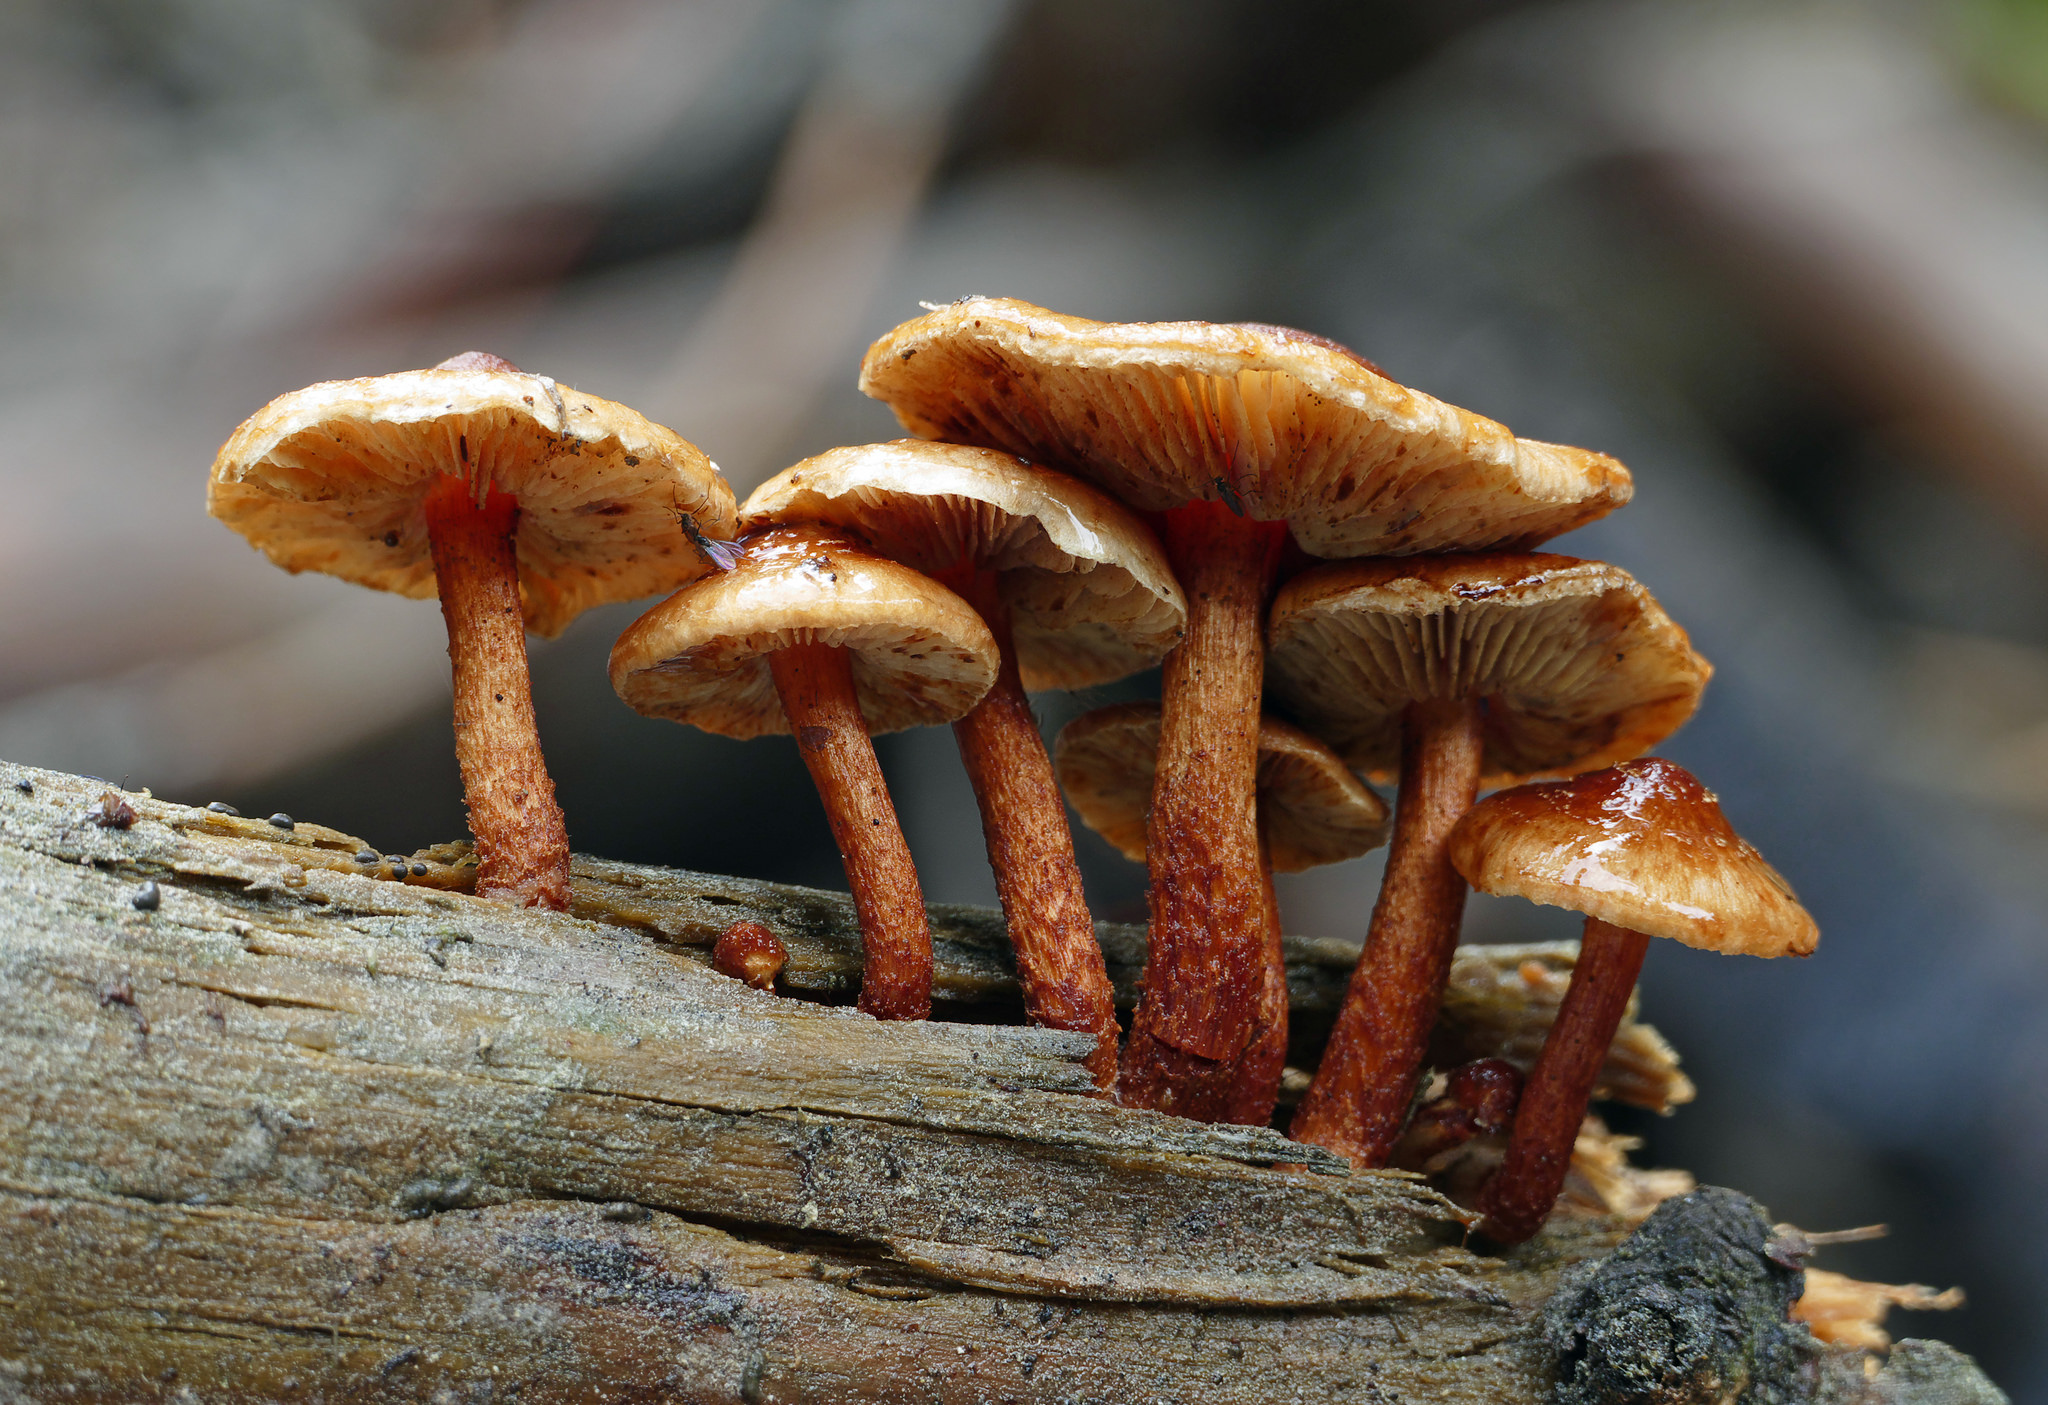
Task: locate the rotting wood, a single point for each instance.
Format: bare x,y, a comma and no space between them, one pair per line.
298,1131
1501,998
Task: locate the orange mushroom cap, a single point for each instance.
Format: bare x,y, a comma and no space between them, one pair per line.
331,478
1579,665
1281,425
1642,846
1092,598
921,655
1313,810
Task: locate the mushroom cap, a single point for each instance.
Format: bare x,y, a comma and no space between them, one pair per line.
921,655
330,478
1313,810
1278,423
1643,846
1091,596
1579,665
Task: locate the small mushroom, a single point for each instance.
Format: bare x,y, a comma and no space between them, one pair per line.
748,951
1077,592
814,635
1643,850
1238,436
1455,671
520,503
1311,811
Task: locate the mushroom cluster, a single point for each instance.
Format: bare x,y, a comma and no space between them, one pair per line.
1337,572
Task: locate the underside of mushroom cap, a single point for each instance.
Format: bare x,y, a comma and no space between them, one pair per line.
1281,425
920,654
1312,808
1092,597
331,478
1578,664
1643,846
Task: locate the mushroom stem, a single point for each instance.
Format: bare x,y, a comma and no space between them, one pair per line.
1031,849
1361,1094
1204,976
1257,1087
1518,1198
522,846
815,682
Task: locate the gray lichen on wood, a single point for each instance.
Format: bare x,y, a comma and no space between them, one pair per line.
297,1132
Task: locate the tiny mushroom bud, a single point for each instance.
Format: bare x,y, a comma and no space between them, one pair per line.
1077,592
1452,671
519,503
1643,850
1311,811
111,811
749,952
813,635
1239,437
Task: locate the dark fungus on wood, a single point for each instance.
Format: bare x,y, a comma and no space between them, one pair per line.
1914,1373
1691,1307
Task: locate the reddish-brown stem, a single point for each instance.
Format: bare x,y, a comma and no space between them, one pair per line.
1518,1198
815,682
1204,977
522,846
1059,963
1362,1091
1257,1085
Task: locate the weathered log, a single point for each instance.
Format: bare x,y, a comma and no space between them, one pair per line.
274,1129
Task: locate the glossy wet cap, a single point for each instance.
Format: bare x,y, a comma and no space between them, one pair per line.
1312,809
921,655
1642,846
1579,666
1091,596
1282,425
331,478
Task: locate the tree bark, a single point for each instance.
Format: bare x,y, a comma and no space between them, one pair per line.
295,1132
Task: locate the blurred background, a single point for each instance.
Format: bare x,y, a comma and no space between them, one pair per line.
1788,260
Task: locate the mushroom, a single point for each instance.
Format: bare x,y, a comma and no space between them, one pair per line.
1237,436
519,502
749,951
1453,671
1643,850
812,634
1311,811
1077,593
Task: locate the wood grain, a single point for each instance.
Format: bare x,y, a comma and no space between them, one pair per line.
301,1132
